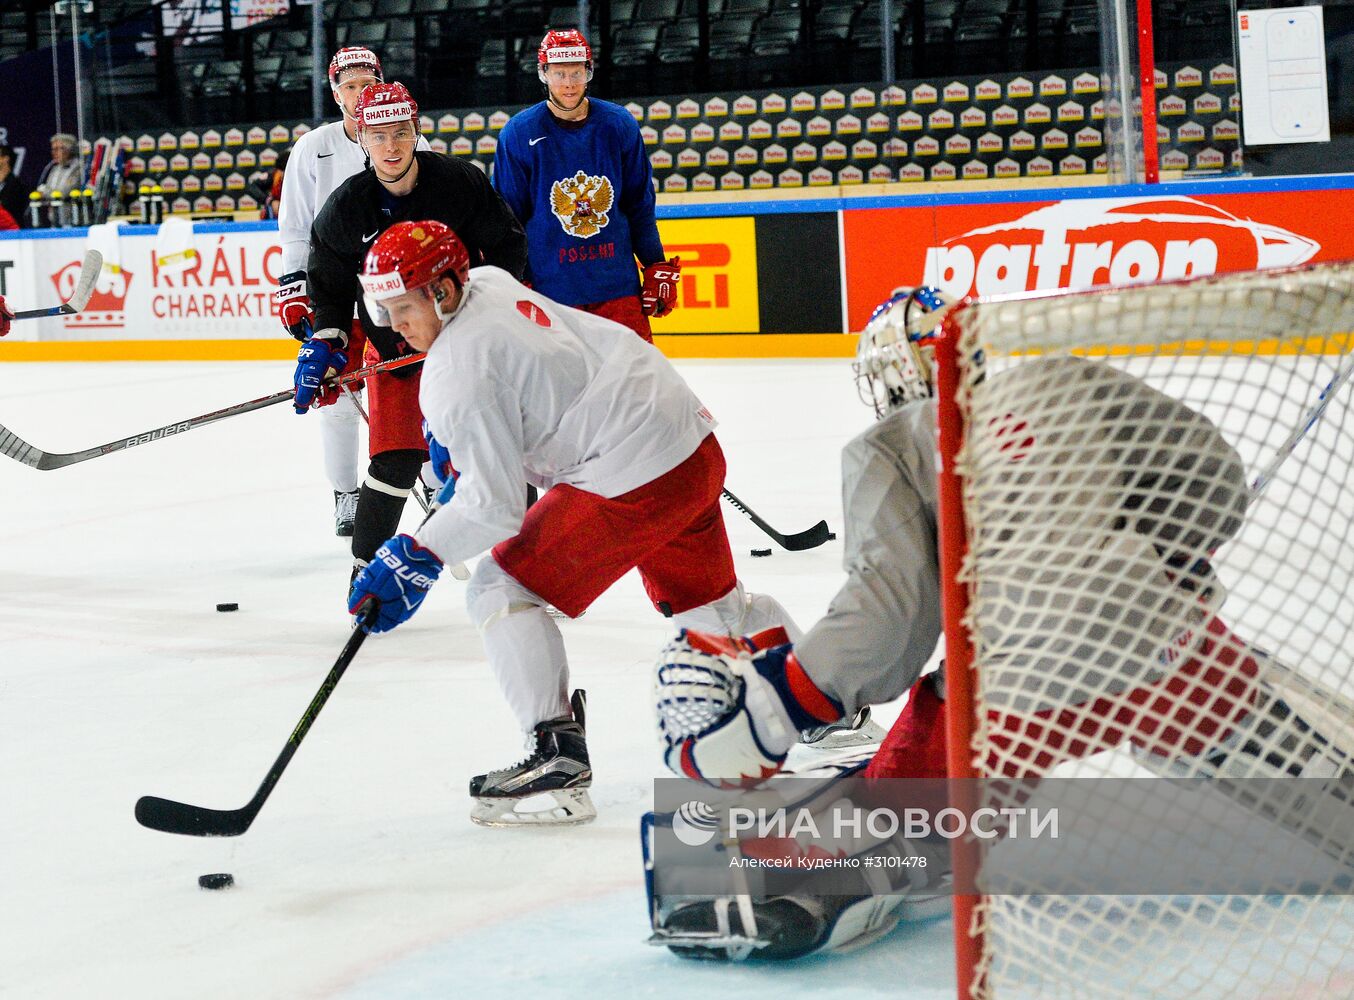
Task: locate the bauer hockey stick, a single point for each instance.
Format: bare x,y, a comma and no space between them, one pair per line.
197,821
809,538
15,447
84,288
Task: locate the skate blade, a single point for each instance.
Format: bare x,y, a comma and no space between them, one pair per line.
571,807
870,734
860,731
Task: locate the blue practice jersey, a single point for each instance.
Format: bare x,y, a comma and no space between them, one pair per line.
584,194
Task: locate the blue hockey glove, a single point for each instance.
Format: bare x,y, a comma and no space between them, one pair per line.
318,359
441,462
398,578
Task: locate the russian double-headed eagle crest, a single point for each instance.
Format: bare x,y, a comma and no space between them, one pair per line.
581,204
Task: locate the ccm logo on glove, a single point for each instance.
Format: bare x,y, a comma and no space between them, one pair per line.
659,295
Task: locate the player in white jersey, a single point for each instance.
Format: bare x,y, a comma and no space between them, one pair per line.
517,386
321,160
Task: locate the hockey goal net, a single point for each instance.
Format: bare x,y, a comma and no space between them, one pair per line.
1146,508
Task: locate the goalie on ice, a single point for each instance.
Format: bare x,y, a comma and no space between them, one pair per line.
1122,544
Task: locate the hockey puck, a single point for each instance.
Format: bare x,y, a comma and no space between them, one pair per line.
761,552
219,880
831,536
232,606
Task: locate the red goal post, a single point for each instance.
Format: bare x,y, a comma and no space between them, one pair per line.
1146,532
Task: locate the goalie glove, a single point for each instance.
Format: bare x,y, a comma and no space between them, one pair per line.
5,317
729,710
659,295
293,305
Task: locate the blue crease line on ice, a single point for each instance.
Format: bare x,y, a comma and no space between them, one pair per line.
598,947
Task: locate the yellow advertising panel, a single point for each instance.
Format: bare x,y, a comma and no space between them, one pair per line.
719,276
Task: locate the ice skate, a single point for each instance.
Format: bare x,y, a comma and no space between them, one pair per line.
345,513
556,775
858,732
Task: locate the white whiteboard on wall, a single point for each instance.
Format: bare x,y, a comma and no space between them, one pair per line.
1282,56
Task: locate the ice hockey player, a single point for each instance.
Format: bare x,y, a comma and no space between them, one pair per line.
575,171
516,386
6,317
1161,642
321,160
400,184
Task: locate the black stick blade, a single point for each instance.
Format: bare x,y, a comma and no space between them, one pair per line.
192,821
809,538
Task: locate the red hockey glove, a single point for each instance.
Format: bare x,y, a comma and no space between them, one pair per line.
5,317
293,305
659,295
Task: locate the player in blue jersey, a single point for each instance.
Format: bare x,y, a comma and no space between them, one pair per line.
573,169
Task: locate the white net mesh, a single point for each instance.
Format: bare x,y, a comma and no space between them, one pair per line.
1160,553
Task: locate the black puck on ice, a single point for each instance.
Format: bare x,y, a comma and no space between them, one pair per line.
761,552
219,880
232,606
831,536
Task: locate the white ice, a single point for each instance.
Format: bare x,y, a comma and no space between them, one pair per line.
363,876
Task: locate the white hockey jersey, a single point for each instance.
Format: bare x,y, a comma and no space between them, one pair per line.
321,160
521,389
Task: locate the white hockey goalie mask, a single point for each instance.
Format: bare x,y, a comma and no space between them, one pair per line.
893,364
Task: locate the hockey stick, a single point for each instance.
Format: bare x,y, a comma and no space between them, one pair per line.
1309,419
458,571
197,821
84,288
15,447
809,538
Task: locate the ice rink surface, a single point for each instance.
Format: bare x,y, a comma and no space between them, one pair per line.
363,876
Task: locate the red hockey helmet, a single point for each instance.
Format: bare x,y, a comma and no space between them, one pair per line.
353,57
385,104
409,256
567,46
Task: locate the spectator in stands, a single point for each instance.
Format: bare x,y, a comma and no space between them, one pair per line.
266,187
574,170
64,172
13,192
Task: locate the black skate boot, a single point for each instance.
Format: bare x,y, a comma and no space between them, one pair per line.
345,513
558,771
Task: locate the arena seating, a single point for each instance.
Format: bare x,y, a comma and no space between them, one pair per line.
955,128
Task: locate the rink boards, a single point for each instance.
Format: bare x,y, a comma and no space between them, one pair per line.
779,278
